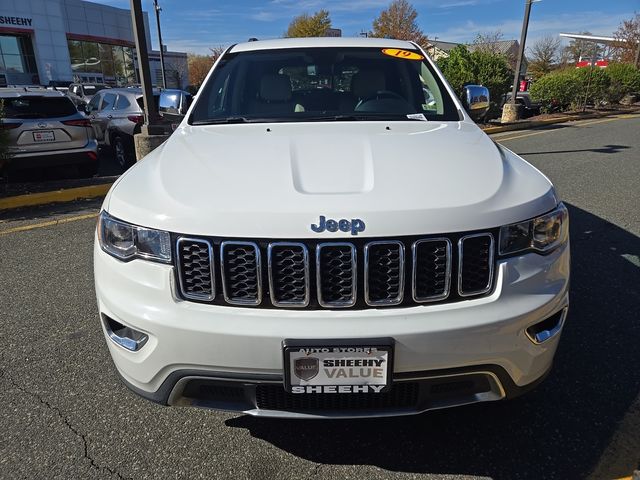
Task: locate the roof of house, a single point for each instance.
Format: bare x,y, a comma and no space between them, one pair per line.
445,46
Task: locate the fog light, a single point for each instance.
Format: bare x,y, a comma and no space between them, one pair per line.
547,328
124,336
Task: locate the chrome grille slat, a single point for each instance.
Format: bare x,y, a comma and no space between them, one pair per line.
475,264
288,274
336,274
431,269
241,272
307,274
196,269
383,273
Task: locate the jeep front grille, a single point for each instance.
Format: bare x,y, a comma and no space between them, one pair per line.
289,274
358,273
241,273
336,274
195,269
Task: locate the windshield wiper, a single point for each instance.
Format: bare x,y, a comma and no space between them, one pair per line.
226,120
355,117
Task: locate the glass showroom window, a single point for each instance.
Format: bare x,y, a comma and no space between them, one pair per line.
17,59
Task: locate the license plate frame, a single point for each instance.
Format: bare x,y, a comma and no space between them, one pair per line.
44,136
380,348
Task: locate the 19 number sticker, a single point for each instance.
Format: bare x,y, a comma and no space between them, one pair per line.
405,54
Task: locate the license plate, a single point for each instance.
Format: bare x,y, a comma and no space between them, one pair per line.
331,366
44,136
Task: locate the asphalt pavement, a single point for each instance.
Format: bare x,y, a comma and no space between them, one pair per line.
66,415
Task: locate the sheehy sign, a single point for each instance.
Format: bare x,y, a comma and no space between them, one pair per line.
16,21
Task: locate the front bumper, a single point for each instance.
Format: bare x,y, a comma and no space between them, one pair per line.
237,352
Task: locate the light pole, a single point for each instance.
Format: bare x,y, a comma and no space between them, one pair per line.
164,75
510,110
143,64
523,39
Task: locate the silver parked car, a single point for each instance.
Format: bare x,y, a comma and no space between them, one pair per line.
82,93
46,129
117,115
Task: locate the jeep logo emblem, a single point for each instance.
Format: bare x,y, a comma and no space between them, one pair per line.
354,226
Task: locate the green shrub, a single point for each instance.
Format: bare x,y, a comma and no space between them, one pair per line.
493,72
594,85
480,68
625,79
556,91
458,68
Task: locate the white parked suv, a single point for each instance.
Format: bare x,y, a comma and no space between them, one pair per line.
329,234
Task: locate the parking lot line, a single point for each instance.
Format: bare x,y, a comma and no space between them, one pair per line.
577,124
48,224
524,135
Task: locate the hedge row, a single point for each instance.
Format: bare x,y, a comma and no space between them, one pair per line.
573,88
462,67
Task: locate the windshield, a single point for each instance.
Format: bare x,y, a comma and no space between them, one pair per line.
38,107
309,84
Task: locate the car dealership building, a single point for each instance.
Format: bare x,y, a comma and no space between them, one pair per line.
44,41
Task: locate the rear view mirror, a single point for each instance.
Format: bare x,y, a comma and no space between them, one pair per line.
475,99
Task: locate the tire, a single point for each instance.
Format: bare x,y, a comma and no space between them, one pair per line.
121,152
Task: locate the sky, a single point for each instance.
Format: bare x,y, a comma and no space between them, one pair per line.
196,25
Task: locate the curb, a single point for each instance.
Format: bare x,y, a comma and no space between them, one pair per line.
551,121
56,196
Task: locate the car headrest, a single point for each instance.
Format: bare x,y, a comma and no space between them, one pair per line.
275,88
367,82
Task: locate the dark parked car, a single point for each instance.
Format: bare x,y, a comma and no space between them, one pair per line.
45,129
116,115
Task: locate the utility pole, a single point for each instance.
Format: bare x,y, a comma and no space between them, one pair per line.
510,110
164,75
151,133
523,39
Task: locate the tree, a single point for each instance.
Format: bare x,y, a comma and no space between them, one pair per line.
488,42
627,47
199,65
399,22
581,48
544,56
458,68
493,71
306,25
480,67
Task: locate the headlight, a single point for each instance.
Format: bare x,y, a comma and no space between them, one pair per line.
541,234
126,242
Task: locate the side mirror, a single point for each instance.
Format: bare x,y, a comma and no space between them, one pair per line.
173,104
475,99
83,107
187,98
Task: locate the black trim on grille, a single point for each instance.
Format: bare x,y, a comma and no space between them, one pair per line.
403,395
431,271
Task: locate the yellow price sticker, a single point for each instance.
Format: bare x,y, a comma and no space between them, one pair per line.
405,54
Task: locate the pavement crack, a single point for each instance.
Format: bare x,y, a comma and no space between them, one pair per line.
69,426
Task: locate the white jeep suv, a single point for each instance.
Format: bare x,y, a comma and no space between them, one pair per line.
329,234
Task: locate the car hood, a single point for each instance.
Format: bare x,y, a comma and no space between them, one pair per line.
275,180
